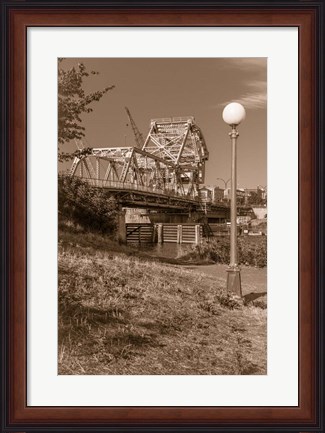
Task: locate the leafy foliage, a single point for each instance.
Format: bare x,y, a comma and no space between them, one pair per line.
72,102
256,198
251,251
227,300
91,208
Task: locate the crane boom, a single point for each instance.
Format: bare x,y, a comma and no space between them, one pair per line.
139,140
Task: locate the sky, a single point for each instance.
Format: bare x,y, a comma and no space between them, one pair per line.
167,87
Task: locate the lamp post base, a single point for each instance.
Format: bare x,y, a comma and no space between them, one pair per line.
234,281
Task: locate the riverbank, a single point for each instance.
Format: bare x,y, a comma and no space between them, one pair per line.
122,312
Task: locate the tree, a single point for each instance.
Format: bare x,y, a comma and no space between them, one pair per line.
72,102
255,199
91,208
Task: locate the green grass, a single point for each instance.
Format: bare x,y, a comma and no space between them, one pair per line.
123,314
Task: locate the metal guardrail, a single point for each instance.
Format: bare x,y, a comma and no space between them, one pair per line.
129,186
135,187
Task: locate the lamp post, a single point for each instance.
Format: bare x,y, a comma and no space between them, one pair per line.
233,114
224,181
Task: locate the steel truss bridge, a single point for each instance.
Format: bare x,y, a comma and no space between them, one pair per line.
165,173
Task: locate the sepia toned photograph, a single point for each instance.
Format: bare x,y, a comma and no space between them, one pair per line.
162,216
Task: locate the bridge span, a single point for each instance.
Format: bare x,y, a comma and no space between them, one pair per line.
140,196
172,160
164,175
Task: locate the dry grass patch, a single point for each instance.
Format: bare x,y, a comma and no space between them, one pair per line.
119,314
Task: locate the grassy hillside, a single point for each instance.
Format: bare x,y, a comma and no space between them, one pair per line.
123,314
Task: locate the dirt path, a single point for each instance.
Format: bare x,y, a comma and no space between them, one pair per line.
254,280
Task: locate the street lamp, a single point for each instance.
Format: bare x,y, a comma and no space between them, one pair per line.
224,181
233,114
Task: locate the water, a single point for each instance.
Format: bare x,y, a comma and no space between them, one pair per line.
169,250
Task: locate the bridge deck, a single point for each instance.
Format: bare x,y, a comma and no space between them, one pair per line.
140,196
128,186
134,195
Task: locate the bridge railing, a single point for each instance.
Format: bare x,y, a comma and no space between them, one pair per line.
112,184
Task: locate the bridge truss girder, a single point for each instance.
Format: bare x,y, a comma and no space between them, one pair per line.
180,141
171,161
133,166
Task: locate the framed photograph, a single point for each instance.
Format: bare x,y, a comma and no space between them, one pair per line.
162,216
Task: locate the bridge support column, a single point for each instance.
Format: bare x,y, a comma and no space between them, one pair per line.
160,233
121,227
197,234
179,233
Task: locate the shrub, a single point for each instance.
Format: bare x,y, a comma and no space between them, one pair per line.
228,301
258,303
251,251
91,208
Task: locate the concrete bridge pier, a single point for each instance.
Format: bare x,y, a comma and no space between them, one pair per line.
179,234
197,234
121,227
160,239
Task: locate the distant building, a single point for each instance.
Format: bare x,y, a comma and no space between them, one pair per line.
261,192
256,196
217,193
240,193
211,193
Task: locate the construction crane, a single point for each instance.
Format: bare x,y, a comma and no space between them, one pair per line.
139,140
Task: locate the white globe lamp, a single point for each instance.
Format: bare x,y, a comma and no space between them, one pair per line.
234,113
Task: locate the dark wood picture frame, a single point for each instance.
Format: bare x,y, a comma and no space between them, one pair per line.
17,16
